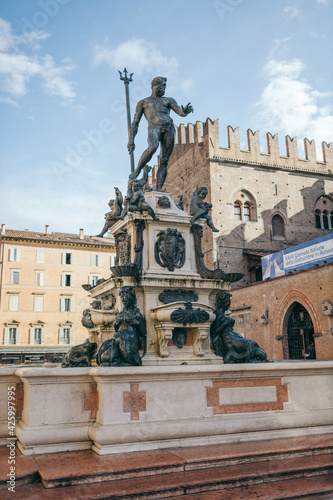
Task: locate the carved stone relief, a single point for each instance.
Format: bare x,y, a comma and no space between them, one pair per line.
170,249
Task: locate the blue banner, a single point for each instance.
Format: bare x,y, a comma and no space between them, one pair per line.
303,256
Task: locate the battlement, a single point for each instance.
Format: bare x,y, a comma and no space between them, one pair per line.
207,134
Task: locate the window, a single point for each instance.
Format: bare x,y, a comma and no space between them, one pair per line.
237,211
15,254
245,206
15,277
278,227
96,260
13,302
40,256
12,334
258,272
66,304
246,211
67,279
40,278
68,258
324,212
38,303
37,334
93,278
66,334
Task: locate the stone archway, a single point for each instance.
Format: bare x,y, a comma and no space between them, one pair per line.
284,312
299,331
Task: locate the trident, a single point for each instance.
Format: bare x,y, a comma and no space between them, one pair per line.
127,79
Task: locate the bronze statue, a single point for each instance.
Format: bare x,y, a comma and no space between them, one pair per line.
156,109
136,202
230,345
123,348
200,208
82,354
116,209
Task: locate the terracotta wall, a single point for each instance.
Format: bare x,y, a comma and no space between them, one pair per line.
273,299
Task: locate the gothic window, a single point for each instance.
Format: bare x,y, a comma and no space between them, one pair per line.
325,219
245,206
247,211
237,211
277,227
324,213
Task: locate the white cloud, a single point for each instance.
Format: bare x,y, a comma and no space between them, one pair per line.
280,46
137,55
8,100
314,34
291,11
323,2
187,85
290,105
17,67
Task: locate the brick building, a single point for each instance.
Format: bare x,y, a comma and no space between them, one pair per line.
262,202
285,314
41,294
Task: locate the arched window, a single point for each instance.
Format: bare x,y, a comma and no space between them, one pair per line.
324,212
247,211
277,227
237,211
325,219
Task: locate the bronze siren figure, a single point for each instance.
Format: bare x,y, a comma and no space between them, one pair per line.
161,130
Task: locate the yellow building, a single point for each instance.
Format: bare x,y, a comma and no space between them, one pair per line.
41,294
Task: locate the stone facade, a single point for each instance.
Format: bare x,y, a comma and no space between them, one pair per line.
262,202
262,310
42,298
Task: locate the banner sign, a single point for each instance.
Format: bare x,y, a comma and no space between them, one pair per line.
303,256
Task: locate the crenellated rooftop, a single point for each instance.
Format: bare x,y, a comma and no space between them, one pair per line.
207,133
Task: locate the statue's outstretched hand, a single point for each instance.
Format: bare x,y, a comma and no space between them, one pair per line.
131,147
188,108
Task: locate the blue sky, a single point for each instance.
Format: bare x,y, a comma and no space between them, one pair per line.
254,64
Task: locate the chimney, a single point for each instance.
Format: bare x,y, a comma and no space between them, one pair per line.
3,228
81,236
47,229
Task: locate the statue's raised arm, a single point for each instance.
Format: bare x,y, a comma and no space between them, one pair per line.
161,130
180,110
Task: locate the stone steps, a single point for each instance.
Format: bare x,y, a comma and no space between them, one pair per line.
267,480
306,464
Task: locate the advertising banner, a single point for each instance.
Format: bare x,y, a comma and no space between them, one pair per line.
303,256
